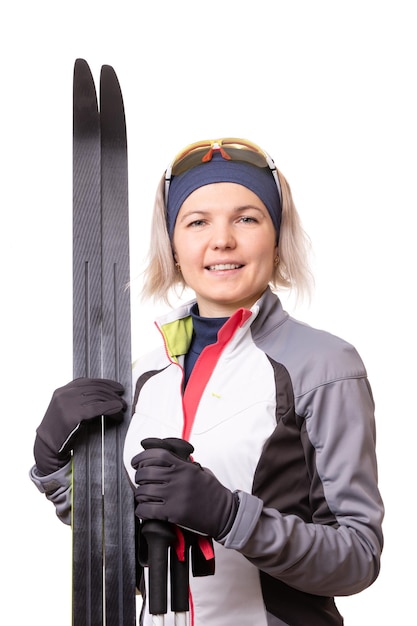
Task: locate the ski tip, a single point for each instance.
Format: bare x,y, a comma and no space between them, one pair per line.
81,64
108,74
85,106
82,72
109,85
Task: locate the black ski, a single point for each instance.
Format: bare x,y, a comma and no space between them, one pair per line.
103,506
119,516
87,506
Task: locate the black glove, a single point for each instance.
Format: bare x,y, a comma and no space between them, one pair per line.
82,399
180,491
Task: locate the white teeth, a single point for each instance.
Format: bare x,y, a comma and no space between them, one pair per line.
224,266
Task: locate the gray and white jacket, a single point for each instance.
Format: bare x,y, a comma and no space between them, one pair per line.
283,414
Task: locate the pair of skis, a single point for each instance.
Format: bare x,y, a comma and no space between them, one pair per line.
103,521
103,517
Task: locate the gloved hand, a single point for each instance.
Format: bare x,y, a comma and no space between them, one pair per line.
182,492
81,399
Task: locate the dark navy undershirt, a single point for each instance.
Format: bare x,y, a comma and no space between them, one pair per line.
205,331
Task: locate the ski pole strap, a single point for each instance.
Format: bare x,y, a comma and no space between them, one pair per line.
201,548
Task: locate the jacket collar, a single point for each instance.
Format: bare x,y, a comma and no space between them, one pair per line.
177,328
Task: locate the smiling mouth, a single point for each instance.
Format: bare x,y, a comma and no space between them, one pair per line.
224,266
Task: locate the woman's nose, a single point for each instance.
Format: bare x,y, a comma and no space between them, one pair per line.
223,237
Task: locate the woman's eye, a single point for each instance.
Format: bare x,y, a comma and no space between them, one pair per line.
247,219
196,223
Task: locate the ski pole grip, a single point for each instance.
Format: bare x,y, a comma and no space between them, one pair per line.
160,536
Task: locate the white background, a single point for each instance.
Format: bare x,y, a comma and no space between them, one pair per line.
328,88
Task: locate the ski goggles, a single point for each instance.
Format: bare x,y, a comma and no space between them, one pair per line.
231,149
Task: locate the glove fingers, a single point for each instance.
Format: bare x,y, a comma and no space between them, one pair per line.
86,401
150,493
101,406
155,456
97,383
152,476
151,510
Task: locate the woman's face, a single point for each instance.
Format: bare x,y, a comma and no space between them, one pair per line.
225,242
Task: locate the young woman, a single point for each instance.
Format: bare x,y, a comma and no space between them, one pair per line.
283,474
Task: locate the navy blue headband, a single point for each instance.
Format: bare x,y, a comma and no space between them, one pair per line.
219,170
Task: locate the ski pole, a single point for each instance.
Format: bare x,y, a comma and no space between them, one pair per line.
160,537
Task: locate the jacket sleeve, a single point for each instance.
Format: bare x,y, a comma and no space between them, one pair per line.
330,555
57,487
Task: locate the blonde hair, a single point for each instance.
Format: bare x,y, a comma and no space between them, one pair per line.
291,273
